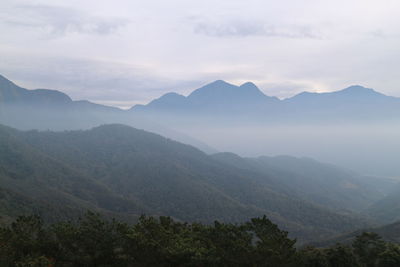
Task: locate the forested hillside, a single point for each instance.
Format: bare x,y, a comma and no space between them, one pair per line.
125,172
321,183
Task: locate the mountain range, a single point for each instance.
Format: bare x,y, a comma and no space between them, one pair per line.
219,116
216,100
123,172
46,109
227,101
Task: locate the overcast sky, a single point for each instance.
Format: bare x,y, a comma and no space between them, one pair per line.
124,52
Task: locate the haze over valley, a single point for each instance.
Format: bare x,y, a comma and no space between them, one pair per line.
356,128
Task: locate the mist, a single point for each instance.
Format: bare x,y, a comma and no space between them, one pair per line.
371,149
356,128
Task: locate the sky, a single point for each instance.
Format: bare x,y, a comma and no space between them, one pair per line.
125,52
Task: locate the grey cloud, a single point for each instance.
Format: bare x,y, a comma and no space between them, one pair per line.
55,21
240,28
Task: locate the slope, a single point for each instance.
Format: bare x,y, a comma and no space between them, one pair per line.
313,181
52,188
178,180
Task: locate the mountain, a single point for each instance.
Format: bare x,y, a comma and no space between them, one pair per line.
355,94
124,171
221,99
317,182
31,181
356,127
47,109
223,96
217,103
217,98
355,103
44,109
13,95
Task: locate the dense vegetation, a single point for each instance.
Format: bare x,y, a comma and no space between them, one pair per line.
94,241
124,172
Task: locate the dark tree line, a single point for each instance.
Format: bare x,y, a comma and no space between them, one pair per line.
94,241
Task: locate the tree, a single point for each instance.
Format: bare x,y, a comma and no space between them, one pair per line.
312,257
341,256
390,257
367,247
23,242
273,247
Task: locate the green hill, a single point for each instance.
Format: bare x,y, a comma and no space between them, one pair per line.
122,171
325,184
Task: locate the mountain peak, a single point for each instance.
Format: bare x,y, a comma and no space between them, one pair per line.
171,95
222,90
218,95
349,92
358,89
251,88
216,89
248,84
218,83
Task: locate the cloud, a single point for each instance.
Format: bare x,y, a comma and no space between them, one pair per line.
245,28
105,82
56,21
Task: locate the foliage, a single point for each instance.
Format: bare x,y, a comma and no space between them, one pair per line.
96,241
367,250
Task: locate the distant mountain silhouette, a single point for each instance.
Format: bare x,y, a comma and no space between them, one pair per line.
353,96
221,99
13,95
226,94
218,96
44,109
